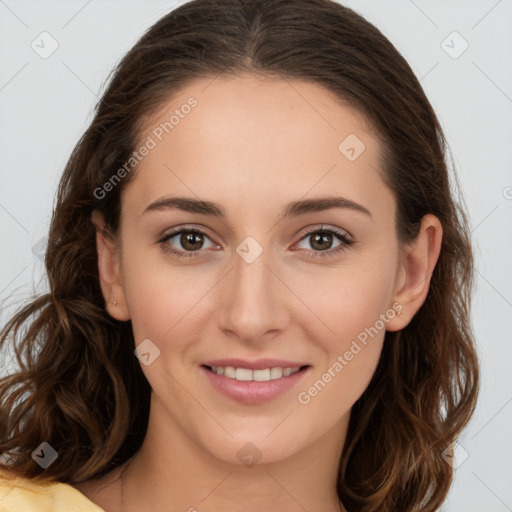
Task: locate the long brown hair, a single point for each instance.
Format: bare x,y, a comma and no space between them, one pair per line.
80,388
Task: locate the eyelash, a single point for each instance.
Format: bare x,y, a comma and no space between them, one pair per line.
346,242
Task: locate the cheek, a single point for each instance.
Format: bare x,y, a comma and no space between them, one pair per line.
331,392
344,302
163,299
352,307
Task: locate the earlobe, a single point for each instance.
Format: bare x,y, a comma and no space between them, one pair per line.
109,270
417,264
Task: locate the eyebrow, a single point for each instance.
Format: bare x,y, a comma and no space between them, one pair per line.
293,209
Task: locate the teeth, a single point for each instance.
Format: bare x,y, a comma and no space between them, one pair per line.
246,375
276,373
229,371
261,375
243,374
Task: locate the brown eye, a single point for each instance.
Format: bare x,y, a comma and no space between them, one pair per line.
321,241
191,241
186,242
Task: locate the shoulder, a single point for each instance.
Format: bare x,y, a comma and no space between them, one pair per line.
24,495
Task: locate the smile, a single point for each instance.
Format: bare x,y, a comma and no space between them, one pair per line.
246,374
253,386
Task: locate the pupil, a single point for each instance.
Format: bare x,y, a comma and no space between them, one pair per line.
318,238
190,239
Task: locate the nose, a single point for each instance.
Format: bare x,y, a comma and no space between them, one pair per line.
254,299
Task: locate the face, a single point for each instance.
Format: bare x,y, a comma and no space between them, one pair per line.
314,285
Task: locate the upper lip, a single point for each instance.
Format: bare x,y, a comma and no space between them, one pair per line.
258,364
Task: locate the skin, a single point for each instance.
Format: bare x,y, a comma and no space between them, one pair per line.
286,304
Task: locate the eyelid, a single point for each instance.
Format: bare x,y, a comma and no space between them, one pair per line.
326,227
168,234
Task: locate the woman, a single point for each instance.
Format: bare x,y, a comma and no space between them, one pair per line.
259,281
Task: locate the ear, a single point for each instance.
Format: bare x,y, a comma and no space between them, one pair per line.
109,268
417,264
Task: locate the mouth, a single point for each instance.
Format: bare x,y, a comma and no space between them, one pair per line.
252,386
242,374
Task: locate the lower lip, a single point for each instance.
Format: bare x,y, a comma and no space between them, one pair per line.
253,392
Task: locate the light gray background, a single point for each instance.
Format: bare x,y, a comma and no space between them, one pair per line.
45,104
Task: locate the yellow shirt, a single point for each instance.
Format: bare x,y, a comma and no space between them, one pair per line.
23,495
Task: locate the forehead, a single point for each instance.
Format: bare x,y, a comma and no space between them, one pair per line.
247,137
